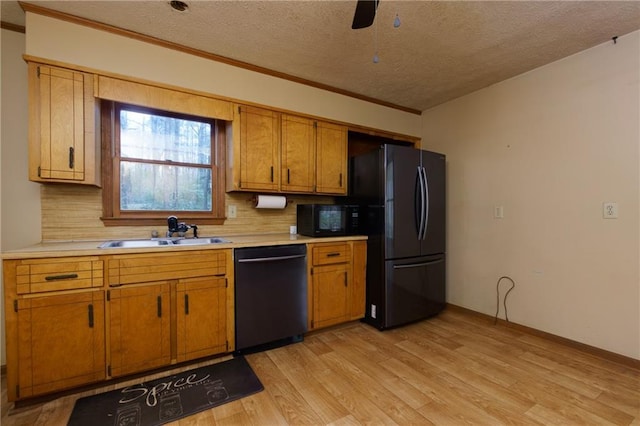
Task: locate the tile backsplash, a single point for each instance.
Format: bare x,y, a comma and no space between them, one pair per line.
72,212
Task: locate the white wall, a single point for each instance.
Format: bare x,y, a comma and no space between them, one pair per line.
19,198
50,38
550,146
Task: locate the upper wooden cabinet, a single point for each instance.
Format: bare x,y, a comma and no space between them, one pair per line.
274,152
331,163
298,154
62,141
256,159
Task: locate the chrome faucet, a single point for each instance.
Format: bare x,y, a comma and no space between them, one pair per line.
180,227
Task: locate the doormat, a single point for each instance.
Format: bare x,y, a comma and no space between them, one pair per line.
170,398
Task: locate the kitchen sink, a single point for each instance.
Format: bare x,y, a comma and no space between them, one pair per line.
200,241
134,243
162,242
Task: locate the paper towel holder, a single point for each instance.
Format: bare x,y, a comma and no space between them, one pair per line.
254,199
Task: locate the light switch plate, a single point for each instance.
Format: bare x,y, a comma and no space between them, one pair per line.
231,211
610,210
498,212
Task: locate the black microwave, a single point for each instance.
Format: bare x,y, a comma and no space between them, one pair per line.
326,220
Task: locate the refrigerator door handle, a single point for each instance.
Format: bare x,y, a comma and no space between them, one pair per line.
422,224
426,204
418,265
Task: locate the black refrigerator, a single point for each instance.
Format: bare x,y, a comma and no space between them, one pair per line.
401,194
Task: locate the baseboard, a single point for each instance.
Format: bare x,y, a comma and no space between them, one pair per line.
592,350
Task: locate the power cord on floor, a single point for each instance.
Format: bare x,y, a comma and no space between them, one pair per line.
513,284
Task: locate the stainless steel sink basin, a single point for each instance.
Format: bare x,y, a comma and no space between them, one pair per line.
200,241
162,242
134,243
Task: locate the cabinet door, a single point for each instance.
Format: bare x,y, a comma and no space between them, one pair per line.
259,149
330,295
60,342
140,326
61,117
298,154
201,317
331,163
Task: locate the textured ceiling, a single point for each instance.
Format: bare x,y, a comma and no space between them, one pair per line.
441,51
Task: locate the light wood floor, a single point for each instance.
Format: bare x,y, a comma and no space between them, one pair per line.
450,370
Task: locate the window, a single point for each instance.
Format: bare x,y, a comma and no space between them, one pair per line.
159,164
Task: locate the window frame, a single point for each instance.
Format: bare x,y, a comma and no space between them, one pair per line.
113,215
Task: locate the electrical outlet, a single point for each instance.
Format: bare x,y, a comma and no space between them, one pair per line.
231,211
610,210
373,311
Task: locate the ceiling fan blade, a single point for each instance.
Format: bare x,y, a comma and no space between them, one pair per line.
365,13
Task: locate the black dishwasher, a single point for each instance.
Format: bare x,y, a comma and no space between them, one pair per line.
270,296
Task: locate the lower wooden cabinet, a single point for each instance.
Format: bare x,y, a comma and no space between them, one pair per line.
150,310
141,317
153,323
201,317
59,343
336,282
140,328
331,289
73,321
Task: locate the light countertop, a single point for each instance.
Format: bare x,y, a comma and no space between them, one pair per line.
90,248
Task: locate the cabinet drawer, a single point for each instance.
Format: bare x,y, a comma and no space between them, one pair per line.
131,269
42,275
325,254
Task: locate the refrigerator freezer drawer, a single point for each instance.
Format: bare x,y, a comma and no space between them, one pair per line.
414,290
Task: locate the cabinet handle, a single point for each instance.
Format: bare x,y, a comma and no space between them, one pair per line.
340,180
71,157
334,254
61,277
271,173
186,304
90,309
288,176
159,306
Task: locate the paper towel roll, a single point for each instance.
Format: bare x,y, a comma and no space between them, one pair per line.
270,202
